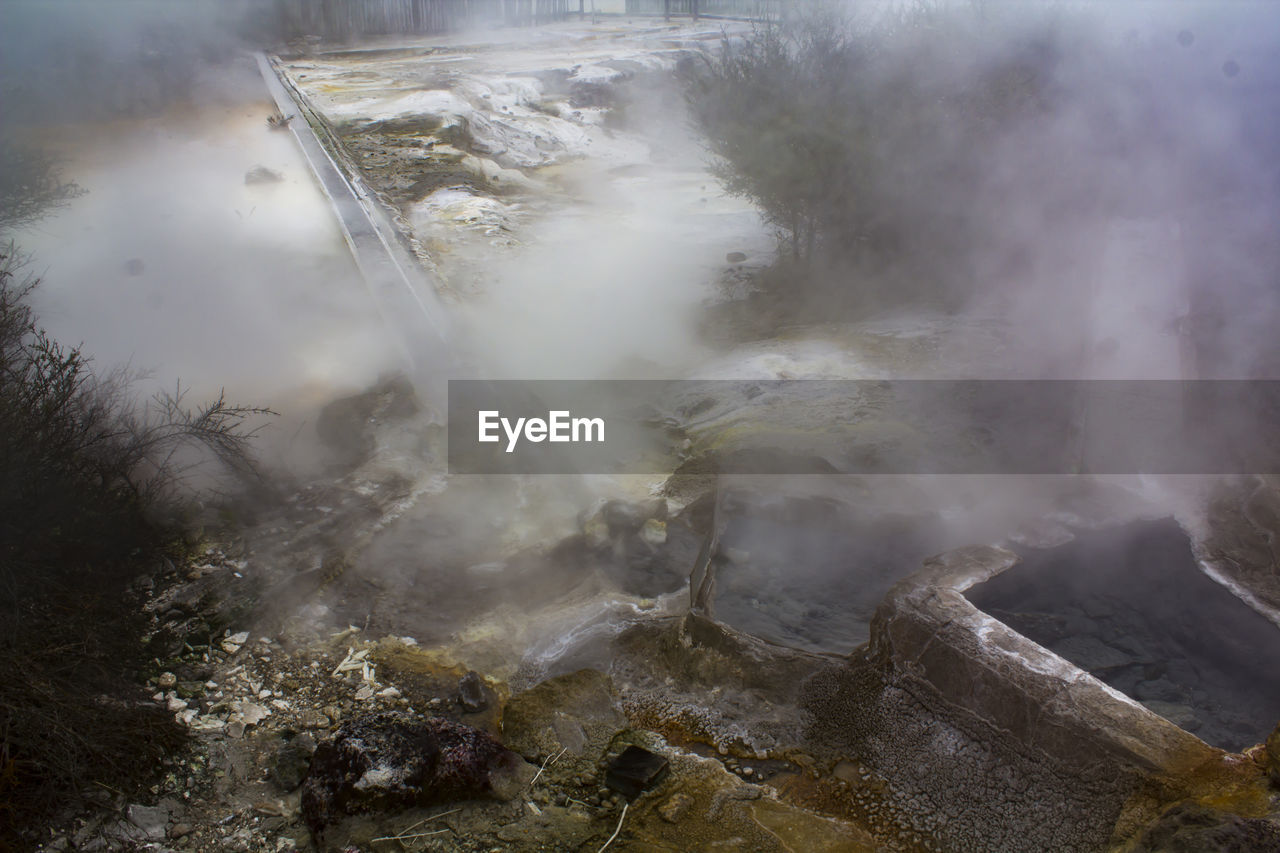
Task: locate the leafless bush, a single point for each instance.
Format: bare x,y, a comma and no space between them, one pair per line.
30,184
94,487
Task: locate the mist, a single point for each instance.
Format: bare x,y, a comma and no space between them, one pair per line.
1109,221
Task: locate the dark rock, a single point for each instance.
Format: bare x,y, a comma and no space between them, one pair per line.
392,761
262,175
623,517
292,760
151,820
471,693
735,257
347,425
634,771
1192,828
135,266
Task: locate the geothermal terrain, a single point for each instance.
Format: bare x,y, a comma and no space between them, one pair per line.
824,660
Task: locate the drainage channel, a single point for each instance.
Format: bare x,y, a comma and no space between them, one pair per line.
401,290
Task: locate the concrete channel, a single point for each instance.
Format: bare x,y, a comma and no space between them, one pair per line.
400,287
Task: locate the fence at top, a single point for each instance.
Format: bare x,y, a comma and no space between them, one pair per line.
343,19
754,10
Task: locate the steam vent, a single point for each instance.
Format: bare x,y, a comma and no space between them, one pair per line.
578,426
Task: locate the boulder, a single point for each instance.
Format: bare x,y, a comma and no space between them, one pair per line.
394,761
291,761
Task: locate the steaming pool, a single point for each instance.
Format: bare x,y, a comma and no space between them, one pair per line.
1132,607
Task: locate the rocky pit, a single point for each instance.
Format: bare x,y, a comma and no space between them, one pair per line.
1132,607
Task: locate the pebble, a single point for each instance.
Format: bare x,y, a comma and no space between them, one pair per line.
232,643
167,680
313,720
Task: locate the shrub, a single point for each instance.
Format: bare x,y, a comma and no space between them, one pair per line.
869,142
93,492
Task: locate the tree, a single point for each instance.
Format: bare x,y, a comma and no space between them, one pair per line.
30,185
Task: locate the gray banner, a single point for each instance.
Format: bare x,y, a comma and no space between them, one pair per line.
864,427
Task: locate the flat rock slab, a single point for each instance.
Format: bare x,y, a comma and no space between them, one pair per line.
572,714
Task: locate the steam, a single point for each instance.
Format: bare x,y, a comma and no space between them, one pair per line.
1127,231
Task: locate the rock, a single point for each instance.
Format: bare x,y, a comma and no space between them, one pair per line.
262,175
190,689
151,820
167,680
626,518
471,693
250,713
675,807
735,257
292,760
392,761
347,425
207,722
178,830
654,532
1189,827
573,712
634,771
313,720
1273,756
232,644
